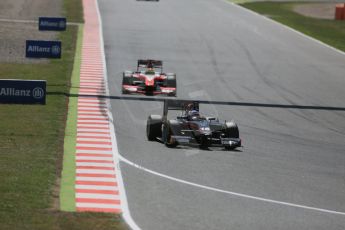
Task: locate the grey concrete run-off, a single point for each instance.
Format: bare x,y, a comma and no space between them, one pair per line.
16,27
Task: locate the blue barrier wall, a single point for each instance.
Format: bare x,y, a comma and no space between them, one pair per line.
23,91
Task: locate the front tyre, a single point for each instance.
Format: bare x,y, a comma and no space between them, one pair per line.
170,80
167,137
230,147
205,142
232,130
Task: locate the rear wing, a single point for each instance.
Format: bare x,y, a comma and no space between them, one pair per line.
179,105
149,64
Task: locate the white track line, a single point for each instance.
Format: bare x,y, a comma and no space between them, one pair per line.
91,114
96,187
94,158
229,192
97,205
95,171
97,179
94,125
93,117
94,164
102,146
92,139
99,138
97,196
95,151
87,130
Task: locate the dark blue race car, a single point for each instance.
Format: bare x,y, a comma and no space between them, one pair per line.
190,128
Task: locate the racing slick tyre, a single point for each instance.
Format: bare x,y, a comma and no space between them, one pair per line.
127,79
171,80
204,142
166,136
154,127
232,130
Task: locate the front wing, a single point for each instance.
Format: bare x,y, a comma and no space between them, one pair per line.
134,89
222,142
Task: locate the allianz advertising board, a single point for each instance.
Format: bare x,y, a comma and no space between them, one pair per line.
51,24
43,49
23,91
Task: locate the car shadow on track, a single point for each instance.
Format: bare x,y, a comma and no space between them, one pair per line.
210,102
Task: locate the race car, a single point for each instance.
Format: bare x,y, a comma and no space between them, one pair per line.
149,79
191,128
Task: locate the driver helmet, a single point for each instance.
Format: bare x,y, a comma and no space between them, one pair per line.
193,115
150,71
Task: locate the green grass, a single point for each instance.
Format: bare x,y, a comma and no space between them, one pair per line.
67,191
31,147
73,11
331,32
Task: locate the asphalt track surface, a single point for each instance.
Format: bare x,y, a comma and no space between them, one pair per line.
285,91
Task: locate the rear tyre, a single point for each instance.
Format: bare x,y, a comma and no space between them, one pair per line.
154,127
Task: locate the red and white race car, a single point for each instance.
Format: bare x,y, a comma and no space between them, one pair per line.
149,79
